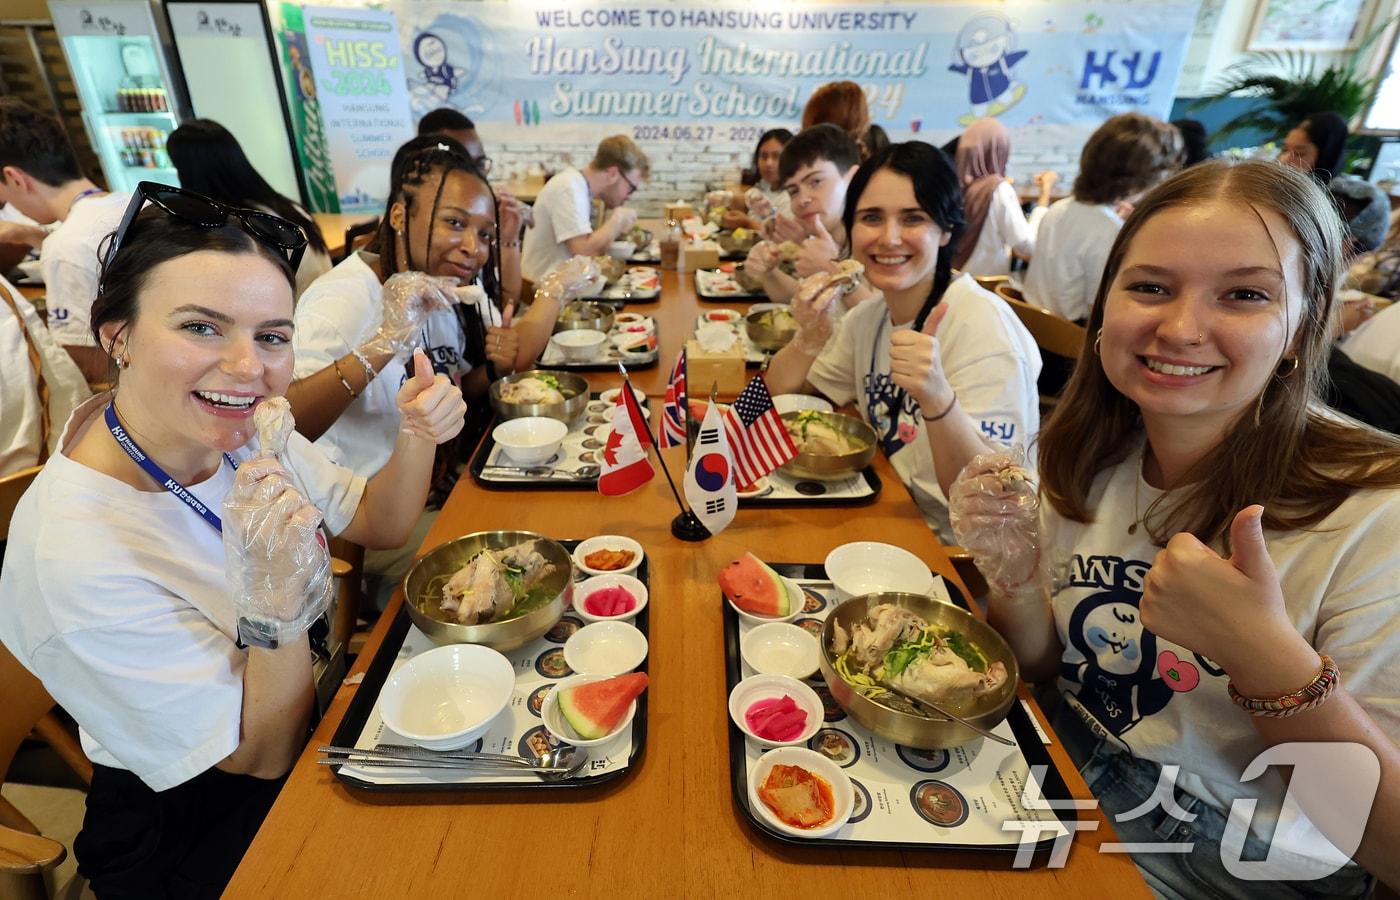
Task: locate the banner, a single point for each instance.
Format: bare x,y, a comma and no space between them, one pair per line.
724,71
305,110
359,80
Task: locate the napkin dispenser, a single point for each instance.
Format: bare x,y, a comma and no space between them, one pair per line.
724,368
679,211
702,255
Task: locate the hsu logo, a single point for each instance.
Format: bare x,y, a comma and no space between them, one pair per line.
1116,78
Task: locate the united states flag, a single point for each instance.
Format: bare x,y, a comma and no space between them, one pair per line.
757,435
673,411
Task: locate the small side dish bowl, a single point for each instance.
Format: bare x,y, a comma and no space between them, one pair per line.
757,688
555,723
843,795
447,697
777,648
530,440
622,250
586,588
865,567
607,648
580,344
756,619
581,314
607,542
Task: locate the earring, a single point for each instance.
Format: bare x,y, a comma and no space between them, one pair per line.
1292,370
123,362
1098,340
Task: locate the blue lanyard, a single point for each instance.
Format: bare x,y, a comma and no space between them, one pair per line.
159,474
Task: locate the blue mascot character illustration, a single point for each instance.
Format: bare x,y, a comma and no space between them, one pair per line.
985,52
1119,682
439,77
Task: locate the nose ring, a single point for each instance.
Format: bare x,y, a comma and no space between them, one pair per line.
1200,339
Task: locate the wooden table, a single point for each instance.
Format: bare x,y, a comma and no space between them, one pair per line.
669,828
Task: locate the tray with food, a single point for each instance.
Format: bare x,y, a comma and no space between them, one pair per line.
502,672
832,466
623,282
591,335
832,742
736,244
764,330
540,442
728,282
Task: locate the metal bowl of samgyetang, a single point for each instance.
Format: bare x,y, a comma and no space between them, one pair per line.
558,395
830,446
582,314
771,329
931,650
502,589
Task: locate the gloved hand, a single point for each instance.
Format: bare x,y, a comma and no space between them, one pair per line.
994,506
408,298
760,207
814,305
276,562
569,280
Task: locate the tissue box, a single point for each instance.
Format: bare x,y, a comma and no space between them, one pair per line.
703,369
679,211
704,255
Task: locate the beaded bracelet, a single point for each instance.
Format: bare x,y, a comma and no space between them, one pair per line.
343,383
364,361
1310,696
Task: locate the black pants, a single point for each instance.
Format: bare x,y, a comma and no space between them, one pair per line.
184,842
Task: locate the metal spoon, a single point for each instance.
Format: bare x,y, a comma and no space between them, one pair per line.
937,710
586,471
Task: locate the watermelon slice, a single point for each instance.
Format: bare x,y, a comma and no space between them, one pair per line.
755,588
595,709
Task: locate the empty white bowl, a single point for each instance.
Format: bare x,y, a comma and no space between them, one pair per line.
584,588
531,439
843,795
773,687
780,649
606,649
864,567
580,344
607,542
622,250
785,403
555,723
447,697
755,619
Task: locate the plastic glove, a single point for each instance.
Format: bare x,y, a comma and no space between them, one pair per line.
569,280
760,207
994,506
762,259
408,298
622,218
276,562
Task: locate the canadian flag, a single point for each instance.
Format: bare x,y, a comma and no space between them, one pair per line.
625,463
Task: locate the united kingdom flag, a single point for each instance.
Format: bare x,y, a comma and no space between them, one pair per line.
673,410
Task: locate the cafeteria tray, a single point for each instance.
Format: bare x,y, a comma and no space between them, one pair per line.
973,788
581,446
621,291
553,357
704,288
538,666
789,490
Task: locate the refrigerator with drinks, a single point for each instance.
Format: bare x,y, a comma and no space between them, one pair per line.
116,53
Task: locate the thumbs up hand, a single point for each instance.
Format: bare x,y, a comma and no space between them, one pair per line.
917,365
431,407
819,250
1230,610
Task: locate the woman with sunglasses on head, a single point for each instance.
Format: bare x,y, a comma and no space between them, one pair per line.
1209,566
933,363
165,565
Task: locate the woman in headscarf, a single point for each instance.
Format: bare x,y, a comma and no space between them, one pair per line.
996,227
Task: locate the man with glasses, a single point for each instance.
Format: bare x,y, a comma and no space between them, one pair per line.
461,129
563,209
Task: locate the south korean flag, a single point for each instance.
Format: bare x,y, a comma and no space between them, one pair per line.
709,482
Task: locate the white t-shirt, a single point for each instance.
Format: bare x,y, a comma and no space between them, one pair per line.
1071,249
991,362
21,413
1004,231
563,210
68,259
1375,343
340,311
1162,702
117,600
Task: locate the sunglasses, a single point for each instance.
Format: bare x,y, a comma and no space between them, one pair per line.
187,206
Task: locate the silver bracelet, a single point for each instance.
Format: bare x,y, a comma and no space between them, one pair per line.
364,361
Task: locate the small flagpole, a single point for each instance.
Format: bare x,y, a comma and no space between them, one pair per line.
627,385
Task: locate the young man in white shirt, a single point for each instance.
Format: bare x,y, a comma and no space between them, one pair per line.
563,209
39,176
815,168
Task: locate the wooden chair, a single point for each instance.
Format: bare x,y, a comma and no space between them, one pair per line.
1052,333
24,854
356,236
992,282
347,567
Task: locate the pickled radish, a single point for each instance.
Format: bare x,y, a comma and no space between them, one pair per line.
614,600
776,719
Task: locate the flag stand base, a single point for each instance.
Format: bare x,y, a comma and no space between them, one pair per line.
688,528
